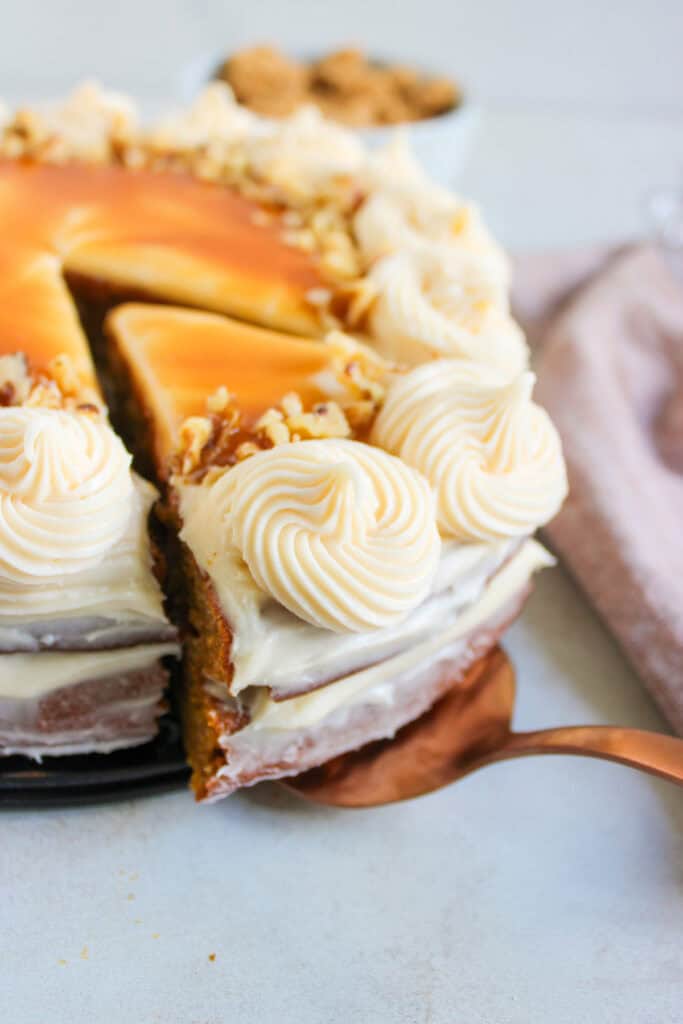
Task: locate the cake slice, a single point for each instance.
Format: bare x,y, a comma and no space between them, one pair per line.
82,624
324,609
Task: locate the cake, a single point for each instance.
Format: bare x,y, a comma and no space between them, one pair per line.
82,624
310,352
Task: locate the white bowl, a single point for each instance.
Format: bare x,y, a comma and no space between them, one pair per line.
441,144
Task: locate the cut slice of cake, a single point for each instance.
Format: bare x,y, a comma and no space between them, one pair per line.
324,610
82,624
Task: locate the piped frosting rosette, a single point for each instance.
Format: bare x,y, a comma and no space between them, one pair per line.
214,119
341,534
405,210
65,493
491,454
304,152
432,302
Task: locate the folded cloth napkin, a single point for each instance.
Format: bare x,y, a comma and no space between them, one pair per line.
607,327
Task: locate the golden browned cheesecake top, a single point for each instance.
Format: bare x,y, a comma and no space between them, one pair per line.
166,235
178,358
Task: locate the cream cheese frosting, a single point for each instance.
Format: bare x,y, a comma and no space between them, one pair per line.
405,210
491,454
65,493
303,153
273,647
432,301
86,120
214,119
376,685
341,534
28,676
121,589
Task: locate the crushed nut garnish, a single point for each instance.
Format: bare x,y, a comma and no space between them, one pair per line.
219,401
325,420
194,434
58,387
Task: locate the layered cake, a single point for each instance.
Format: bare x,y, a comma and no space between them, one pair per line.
310,349
352,535
82,624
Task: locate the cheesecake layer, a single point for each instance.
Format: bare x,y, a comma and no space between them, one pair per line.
167,236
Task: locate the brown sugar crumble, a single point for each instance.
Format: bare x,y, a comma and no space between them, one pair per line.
345,85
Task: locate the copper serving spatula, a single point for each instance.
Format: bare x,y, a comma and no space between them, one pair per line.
466,730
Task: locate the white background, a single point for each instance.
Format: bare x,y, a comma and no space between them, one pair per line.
538,891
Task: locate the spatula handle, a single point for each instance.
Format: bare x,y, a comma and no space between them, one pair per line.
651,752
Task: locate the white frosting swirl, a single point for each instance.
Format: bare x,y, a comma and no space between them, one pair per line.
405,209
86,119
434,302
341,534
302,153
214,118
492,455
65,493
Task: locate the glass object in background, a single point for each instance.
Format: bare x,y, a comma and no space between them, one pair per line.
665,209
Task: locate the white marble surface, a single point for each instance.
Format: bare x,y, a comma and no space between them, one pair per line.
534,891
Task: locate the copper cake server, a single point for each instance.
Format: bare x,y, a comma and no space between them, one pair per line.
466,730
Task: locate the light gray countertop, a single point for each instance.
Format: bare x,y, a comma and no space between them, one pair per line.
538,890
534,891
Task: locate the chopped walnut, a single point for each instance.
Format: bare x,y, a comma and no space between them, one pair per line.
45,395
219,401
360,415
363,370
325,420
195,432
89,125
59,387
359,295
247,448
292,405
272,427
63,372
15,379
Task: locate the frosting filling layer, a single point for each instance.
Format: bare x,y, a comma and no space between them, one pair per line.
273,647
29,676
376,685
99,714
117,601
288,737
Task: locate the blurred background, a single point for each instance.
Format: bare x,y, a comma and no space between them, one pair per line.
581,104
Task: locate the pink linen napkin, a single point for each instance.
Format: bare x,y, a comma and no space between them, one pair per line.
607,327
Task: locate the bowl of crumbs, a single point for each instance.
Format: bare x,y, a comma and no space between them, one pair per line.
375,97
